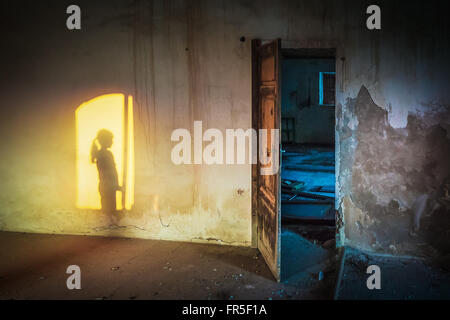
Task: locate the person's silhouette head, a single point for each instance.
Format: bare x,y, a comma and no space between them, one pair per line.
105,138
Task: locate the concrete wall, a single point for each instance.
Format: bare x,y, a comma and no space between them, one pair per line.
184,61
314,123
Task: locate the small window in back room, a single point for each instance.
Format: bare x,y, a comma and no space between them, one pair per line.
327,82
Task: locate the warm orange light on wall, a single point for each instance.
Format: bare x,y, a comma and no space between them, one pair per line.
109,112
129,194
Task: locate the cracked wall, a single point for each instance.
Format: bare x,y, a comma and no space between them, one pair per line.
391,168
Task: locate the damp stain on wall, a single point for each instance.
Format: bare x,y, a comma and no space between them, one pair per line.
390,168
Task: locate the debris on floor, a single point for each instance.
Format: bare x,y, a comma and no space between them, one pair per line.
307,183
308,216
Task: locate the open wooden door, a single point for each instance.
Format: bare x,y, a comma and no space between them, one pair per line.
267,115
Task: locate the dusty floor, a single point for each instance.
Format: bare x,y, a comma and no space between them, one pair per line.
402,278
33,266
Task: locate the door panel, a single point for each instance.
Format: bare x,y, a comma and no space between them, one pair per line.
268,111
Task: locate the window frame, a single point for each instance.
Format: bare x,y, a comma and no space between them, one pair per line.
321,89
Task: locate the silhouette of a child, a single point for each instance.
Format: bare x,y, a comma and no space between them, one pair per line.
107,173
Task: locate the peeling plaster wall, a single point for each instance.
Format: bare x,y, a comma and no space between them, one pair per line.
184,61
393,140
392,167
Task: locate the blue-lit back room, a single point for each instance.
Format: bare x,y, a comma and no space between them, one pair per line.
308,154
224,150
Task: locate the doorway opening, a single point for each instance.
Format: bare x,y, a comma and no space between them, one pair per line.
293,91
308,158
